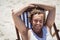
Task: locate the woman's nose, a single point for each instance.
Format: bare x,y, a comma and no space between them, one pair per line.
38,22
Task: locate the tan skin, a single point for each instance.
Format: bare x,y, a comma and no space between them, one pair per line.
37,24
21,26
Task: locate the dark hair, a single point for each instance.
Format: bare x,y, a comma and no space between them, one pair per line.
36,11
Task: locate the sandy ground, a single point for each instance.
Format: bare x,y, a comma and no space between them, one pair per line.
7,29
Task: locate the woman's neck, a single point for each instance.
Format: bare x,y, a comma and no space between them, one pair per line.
39,34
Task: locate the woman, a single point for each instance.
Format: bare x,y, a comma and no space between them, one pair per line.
40,28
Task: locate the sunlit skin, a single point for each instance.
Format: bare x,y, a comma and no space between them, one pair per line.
37,22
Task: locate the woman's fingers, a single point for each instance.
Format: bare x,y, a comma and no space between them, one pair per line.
30,7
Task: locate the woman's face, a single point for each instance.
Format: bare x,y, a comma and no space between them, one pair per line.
37,22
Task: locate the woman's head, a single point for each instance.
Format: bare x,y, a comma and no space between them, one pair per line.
37,19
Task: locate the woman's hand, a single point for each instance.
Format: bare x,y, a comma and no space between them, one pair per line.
44,6
23,9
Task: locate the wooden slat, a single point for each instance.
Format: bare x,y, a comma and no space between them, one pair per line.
56,31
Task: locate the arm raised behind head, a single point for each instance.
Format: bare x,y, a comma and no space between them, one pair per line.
19,23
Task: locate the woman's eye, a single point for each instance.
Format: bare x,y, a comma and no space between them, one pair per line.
40,21
36,20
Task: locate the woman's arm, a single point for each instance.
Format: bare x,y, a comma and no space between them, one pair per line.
51,17
19,23
20,26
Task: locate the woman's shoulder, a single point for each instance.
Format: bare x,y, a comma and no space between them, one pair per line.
29,33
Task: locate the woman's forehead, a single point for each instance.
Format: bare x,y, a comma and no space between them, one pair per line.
38,16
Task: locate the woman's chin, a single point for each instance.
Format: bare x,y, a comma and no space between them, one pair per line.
37,31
